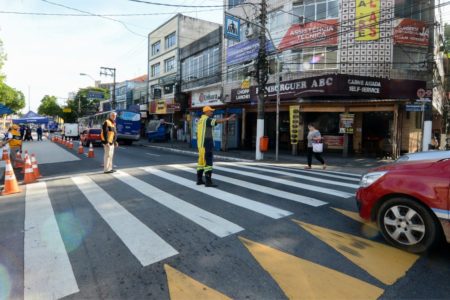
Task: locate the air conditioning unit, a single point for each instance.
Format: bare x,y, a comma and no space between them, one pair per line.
249,32
299,20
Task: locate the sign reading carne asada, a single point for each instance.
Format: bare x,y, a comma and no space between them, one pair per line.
340,85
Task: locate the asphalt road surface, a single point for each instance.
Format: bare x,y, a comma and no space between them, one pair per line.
149,232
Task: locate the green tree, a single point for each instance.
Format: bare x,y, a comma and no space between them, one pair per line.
49,107
2,61
447,38
12,98
82,105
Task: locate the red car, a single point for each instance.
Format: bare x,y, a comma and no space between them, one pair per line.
410,202
91,135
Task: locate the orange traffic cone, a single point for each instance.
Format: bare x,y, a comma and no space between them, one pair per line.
53,138
71,144
34,165
19,164
5,154
91,151
11,185
80,148
24,165
47,135
29,174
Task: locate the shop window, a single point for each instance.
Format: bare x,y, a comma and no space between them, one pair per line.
411,9
277,20
409,58
316,58
156,91
315,10
238,72
168,89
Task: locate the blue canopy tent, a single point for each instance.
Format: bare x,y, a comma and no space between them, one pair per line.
31,117
4,110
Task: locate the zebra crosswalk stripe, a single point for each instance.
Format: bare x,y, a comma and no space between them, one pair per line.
321,173
261,208
261,188
304,186
145,244
48,273
310,178
213,223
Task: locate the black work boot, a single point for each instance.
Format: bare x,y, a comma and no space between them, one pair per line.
208,180
200,177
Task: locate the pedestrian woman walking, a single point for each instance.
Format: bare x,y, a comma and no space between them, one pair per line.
314,136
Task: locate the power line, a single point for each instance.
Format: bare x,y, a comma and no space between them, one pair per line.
96,15
101,15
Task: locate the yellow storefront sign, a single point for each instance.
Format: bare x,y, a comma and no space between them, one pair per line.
294,117
367,22
67,110
161,107
245,84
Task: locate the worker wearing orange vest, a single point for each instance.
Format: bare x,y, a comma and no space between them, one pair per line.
109,140
15,144
205,145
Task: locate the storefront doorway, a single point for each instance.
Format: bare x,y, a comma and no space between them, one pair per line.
377,132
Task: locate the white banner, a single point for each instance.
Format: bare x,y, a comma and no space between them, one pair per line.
204,98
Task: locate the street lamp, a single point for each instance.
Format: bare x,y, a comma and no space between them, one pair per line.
85,74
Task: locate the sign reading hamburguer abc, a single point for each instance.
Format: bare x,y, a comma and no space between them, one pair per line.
294,114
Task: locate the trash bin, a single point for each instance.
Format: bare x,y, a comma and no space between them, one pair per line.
263,143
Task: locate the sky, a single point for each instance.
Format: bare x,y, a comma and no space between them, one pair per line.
46,54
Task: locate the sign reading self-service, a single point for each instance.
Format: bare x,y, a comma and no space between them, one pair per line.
367,22
294,114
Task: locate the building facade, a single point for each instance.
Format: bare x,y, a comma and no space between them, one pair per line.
354,68
164,69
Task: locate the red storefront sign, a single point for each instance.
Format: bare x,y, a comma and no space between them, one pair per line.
310,34
411,32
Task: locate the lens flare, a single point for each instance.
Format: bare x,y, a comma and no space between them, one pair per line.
71,229
369,230
5,283
317,58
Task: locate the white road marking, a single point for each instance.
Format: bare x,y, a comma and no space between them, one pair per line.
213,223
322,174
152,154
145,244
48,273
122,148
261,188
304,186
310,178
249,204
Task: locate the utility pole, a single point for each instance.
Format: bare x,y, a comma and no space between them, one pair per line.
427,113
110,72
261,76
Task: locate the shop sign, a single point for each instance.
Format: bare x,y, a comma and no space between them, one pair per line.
346,123
174,107
294,116
211,97
245,51
411,32
367,20
414,107
334,85
232,27
334,141
161,107
67,110
311,34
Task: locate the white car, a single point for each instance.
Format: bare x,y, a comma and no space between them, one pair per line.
424,155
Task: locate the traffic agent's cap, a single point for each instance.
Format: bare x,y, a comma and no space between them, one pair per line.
208,108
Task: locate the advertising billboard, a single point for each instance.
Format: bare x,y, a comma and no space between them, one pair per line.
411,32
367,22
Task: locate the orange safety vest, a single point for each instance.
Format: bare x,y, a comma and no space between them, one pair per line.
111,131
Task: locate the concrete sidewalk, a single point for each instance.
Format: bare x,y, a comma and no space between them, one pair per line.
335,162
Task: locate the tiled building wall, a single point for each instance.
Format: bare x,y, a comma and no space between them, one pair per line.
366,58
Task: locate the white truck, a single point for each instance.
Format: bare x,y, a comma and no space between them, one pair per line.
70,130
